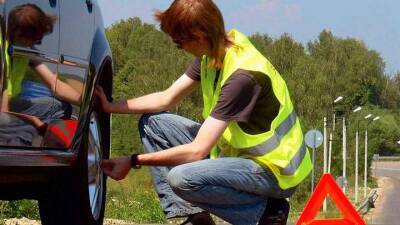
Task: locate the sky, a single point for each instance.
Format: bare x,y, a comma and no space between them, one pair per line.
375,22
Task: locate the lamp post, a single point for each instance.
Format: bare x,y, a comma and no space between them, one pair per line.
366,152
325,157
338,99
344,153
356,155
328,153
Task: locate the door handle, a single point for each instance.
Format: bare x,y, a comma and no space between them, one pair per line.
53,3
89,3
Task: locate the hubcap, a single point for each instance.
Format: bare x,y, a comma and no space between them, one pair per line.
95,174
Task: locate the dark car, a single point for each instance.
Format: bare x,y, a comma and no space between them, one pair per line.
52,134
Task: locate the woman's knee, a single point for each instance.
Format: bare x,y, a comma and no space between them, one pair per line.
180,180
147,121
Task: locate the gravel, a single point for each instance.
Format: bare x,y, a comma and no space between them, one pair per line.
25,221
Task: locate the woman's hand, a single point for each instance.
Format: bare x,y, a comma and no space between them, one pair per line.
105,104
32,120
116,168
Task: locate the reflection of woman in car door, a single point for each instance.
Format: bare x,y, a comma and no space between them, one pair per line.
27,25
25,95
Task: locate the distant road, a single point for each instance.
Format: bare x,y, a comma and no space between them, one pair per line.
388,202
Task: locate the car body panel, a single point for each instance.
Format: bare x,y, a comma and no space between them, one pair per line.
81,67
23,83
77,20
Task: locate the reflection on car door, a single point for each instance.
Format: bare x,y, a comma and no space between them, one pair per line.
29,98
77,31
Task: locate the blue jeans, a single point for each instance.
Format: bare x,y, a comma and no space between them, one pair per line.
234,189
16,132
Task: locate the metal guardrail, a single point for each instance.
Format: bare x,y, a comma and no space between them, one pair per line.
389,158
368,203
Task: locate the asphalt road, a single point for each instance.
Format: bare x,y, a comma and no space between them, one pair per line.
387,206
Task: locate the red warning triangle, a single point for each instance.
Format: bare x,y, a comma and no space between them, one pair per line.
328,186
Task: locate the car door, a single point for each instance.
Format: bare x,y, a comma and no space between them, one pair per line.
77,31
32,52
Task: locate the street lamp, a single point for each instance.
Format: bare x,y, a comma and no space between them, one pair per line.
357,109
366,152
338,99
344,154
328,155
356,169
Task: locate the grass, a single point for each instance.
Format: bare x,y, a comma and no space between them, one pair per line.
134,199
389,158
18,209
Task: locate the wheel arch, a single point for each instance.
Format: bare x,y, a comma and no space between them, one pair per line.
101,73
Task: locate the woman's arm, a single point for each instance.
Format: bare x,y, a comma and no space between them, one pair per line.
60,89
155,102
4,102
33,120
208,135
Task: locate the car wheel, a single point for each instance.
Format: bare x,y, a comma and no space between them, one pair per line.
80,197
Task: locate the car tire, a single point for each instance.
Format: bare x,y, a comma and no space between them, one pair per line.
80,197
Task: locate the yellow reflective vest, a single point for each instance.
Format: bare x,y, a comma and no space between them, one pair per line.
15,71
282,148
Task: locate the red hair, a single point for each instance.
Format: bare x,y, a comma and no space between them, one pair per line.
28,20
186,17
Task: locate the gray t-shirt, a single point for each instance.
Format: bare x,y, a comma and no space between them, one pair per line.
246,97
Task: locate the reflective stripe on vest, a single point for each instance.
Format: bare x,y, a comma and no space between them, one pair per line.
281,149
295,161
273,142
